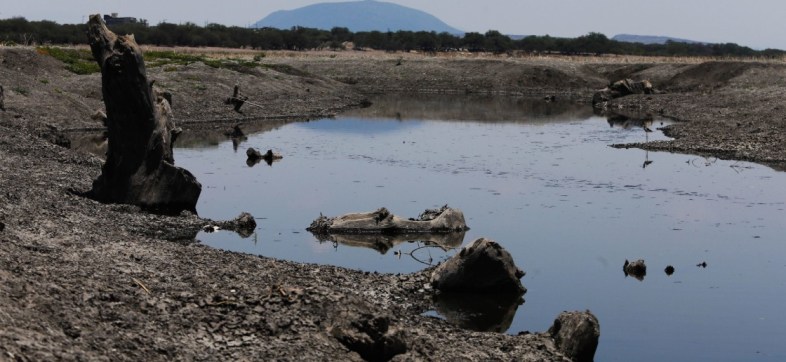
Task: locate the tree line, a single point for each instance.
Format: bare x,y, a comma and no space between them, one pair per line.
21,31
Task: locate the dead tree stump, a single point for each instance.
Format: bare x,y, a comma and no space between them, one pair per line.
236,99
139,166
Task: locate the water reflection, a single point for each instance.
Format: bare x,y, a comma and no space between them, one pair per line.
197,135
640,121
479,312
476,109
626,122
550,189
383,243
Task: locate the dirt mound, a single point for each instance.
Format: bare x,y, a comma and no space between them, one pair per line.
30,63
616,72
488,76
709,75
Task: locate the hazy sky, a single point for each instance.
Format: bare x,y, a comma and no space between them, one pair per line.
755,23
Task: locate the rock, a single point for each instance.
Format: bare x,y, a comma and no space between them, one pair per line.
139,167
621,88
370,336
245,221
481,267
2,99
381,221
2,226
576,335
636,269
255,156
244,225
669,270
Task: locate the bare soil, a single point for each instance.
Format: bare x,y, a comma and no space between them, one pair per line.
83,280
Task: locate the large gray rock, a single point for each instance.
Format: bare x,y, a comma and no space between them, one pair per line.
139,167
381,221
480,267
576,335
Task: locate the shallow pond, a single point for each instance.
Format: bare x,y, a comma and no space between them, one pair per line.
540,179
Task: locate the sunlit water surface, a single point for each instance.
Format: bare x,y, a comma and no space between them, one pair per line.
540,179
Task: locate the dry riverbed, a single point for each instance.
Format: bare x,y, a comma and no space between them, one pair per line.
85,280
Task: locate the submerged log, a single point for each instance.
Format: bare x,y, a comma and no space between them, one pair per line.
381,221
139,167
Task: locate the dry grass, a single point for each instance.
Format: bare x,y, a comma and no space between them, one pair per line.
227,53
250,54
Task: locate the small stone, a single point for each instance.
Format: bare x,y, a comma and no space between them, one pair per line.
669,270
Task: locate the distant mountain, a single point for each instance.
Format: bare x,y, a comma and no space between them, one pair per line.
366,15
651,39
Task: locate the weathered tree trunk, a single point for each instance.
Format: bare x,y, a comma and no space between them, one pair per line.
139,167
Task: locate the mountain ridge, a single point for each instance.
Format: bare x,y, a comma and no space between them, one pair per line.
651,39
357,16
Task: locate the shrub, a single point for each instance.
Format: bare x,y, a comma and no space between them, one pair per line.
79,61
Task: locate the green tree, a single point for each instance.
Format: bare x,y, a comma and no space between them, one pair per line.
497,43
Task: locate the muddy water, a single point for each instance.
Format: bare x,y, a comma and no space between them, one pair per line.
540,179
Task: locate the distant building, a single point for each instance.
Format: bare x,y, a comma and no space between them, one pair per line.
115,20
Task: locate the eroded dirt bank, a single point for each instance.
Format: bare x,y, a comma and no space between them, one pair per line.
84,280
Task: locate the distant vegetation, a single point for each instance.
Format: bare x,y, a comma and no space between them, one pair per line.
21,31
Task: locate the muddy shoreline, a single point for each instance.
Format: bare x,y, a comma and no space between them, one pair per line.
85,280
